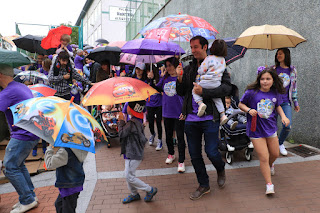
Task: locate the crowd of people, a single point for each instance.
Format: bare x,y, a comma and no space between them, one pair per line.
193,101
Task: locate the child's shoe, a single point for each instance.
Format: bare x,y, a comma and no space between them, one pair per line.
34,153
201,110
283,150
269,189
170,159
151,139
150,194
181,168
159,145
131,198
233,125
223,119
272,170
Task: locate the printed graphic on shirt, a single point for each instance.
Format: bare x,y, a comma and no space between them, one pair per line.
170,88
265,108
285,78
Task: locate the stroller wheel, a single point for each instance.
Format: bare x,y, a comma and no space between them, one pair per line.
229,157
248,154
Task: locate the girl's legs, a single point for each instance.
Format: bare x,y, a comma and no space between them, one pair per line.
273,148
158,113
150,118
168,126
181,142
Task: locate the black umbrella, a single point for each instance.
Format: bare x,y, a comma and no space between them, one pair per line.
112,54
88,47
102,41
32,44
235,52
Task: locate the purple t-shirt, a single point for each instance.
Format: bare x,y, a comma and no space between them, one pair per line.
194,117
265,103
64,192
284,74
171,101
68,47
155,100
78,62
43,71
14,93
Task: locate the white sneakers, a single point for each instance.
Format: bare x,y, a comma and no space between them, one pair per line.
170,159
159,145
181,168
17,204
24,208
283,150
272,170
269,189
201,110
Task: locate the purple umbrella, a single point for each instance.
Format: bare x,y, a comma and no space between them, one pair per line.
151,47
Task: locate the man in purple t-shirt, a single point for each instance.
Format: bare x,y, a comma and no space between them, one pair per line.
20,144
208,124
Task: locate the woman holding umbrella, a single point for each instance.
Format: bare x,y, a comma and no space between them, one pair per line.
288,74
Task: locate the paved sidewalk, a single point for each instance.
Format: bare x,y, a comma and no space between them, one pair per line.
297,185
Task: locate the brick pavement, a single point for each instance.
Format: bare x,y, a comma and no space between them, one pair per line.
296,184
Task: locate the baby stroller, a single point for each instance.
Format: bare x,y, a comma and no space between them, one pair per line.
231,139
108,119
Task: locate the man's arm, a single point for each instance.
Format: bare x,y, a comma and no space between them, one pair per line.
220,92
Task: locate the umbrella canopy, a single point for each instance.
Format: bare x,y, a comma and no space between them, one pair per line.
12,58
112,54
59,122
40,90
102,41
117,90
33,76
151,47
32,44
178,27
269,37
52,40
88,47
117,44
128,58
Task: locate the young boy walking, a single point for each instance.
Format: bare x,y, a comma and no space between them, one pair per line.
70,176
132,141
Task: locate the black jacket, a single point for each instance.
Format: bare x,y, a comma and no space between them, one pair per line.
184,89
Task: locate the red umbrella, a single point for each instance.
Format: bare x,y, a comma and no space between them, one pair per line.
52,40
44,90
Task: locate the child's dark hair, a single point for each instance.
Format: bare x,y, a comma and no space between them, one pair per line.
219,48
287,57
174,61
277,81
155,71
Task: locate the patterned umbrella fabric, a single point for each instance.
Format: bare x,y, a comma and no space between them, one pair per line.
40,90
59,122
117,44
178,28
117,90
12,58
32,76
52,40
127,58
151,47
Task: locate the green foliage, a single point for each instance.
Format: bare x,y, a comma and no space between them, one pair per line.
75,33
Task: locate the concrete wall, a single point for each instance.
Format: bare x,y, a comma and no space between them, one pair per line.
232,17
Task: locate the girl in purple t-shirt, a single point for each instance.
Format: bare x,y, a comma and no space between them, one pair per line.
171,112
262,101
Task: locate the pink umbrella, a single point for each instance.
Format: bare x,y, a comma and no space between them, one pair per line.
117,44
128,58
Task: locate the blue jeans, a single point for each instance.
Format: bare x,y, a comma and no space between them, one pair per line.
194,132
16,153
287,109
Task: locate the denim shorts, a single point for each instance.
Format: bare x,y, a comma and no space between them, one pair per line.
271,136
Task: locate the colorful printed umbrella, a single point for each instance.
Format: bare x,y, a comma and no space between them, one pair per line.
59,122
52,40
32,76
40,90
117,44
117,90
151,47
127,58
12,58
178,28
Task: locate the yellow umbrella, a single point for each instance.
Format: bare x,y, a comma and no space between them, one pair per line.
269,37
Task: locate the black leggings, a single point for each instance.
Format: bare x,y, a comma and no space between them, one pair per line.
171,124
151,112
67,204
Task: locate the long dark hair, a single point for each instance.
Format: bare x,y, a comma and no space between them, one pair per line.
287,57
144,75
155,71
277,81
174,61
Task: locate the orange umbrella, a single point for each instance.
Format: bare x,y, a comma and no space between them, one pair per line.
117,90
52,40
